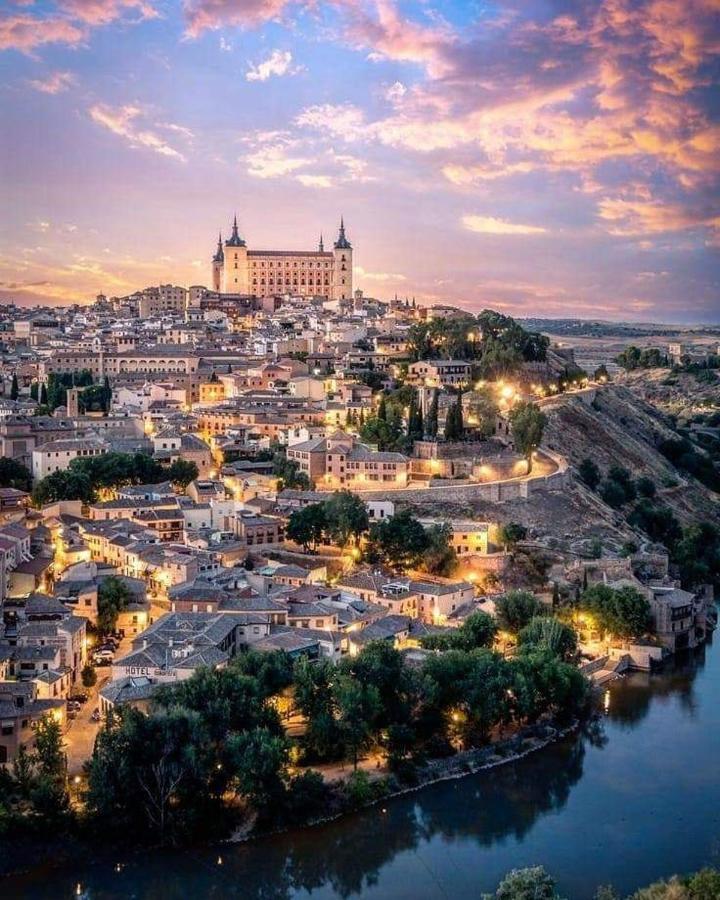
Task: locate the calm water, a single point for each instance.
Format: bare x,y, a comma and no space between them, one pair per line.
633,801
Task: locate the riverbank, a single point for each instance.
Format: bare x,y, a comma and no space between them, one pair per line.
593,807
388,785
72,849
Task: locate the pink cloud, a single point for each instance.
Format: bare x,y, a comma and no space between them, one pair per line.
25,33
54,83
204,15
101,12
380,27
126,122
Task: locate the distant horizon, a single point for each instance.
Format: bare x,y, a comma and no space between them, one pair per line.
526,316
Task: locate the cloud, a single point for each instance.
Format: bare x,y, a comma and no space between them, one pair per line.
125,121
491,225
395,92
25,33
275,159
380,27
381,277
277,154
316,181
54,83
278,63
643,216
72,25
204,15
342,120
101,12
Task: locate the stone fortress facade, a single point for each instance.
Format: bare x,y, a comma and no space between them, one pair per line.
307,273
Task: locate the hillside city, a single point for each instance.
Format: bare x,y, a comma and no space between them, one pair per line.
329,543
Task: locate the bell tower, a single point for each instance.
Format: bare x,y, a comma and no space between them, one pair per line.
236,276
342,253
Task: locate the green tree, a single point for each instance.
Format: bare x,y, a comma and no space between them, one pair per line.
346,516
483,406
34,391
547,633
14,474
43,395
88,676
399,541
704,885
14,389
515,609
590,473
613,494
307,525
315,699
63,485
150,775
454,427
257,760
415,429
623,612
358,708
181,473
478,630
527,424
525,884
646,487
697,555
440,557
48,791
431,425
114,596
288,473
511,533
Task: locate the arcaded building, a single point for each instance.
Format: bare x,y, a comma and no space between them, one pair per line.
307,273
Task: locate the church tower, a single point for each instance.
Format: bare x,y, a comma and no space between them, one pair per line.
235,266
217,266
342,253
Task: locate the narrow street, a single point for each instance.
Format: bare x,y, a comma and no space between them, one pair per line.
81,732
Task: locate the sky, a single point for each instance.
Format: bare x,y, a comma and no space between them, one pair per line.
541,158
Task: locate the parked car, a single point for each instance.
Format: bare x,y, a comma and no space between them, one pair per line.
95,717
102,661
78,696
74,706
103,654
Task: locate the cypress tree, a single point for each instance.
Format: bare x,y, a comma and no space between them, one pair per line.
432,419
14,389
34,387
43,395
382,410
459,424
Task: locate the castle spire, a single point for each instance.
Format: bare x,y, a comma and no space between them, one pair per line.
219,256
342,243
321,246
235,239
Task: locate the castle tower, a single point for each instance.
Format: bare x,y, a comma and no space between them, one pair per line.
235,268
217,266
342,253
73,402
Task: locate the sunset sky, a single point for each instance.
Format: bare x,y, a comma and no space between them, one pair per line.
542,158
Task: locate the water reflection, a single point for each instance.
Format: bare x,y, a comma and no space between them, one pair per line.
633,695
586,788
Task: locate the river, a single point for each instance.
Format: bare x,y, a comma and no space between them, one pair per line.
633,800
